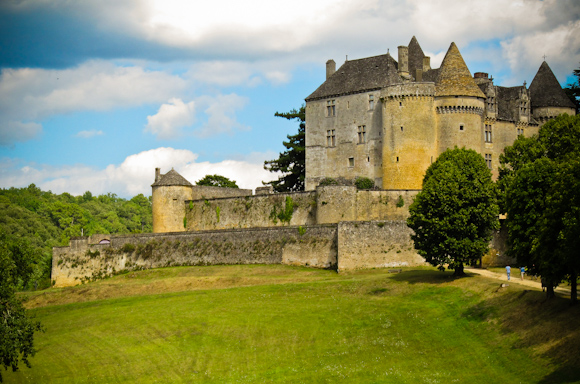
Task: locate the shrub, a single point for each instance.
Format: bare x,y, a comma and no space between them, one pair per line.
128,248
400,202
327,181
364,183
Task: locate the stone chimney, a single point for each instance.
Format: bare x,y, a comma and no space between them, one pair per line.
418,75
403,60
426,63
157,174
330,68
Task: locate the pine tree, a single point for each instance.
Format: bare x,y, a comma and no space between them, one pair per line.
292,161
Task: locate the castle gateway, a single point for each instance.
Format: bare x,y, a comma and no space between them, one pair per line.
389,120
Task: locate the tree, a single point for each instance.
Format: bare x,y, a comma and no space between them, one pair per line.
292,162
542,200
16,329
573,90
454,215
217,181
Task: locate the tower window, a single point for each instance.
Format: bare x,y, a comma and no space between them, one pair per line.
401,129
362,134
488,160
330,138
371,101
351,161
488,133
461,127
520,131
330,108
397,159
400,103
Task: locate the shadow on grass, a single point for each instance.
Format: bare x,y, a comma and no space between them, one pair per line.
427,276
549,328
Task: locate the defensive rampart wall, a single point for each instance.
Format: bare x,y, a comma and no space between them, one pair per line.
325,205
342,246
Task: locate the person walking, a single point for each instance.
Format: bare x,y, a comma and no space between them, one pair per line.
508,270
523,271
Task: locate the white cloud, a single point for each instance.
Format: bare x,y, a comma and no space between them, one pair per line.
171,118
221,114
12,131
34,94
89,134
133,176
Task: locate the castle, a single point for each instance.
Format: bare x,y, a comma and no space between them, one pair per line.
388,120
373,117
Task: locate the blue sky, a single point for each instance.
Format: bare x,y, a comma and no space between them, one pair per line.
95,94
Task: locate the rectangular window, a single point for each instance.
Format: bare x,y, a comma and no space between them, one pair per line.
461,127
351,161
330,138
371,101
362,134
488,133
520,131
488,160
330,108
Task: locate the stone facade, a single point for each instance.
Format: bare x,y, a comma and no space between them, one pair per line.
389,120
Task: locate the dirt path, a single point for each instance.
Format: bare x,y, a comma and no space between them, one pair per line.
515,279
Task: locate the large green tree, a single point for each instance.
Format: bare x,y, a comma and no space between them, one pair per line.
16,328
455,213
540,178
292,162
217,181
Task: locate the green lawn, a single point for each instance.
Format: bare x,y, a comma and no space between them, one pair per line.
261,324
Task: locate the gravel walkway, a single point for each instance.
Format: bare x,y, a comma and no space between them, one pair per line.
515,279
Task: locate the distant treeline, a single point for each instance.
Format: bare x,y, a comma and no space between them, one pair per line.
42,220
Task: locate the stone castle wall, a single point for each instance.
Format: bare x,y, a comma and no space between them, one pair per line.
328,204
313,246
342,246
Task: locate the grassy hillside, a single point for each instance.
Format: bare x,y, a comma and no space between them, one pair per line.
253,324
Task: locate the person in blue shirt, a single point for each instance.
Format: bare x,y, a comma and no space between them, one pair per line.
508,270
523,271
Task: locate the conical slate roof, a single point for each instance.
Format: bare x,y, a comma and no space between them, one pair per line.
172,178
357,76
454,77
416,56
545,90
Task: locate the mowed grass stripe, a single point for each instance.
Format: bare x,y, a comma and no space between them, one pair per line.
416,327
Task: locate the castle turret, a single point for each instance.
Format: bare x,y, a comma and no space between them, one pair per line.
459,104
168,200
548,100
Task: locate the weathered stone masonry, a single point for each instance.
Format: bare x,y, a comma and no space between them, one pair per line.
334,246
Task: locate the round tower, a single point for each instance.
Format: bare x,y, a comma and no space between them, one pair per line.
459,105
169,193
548,100
409,138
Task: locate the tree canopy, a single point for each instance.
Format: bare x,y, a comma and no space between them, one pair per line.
44,220
217,181
292,162
540,179
455,213
573,90
16,328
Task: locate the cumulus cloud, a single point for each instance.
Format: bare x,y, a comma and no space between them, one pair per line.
220,111
171,118
33,94
133,176
89,134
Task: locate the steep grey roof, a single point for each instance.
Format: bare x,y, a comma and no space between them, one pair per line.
545,90
431,75
508,102
357,76
172,178
416,56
